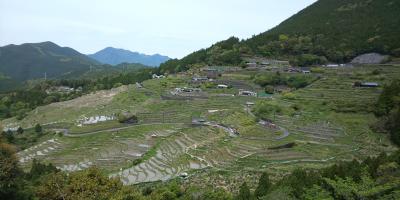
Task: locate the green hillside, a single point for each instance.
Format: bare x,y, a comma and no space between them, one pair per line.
348,27
327,31
33,60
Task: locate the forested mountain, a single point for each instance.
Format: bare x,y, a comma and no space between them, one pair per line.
19,63
338,29
326,31
115,56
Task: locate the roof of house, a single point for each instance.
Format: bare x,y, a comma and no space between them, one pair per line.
370,84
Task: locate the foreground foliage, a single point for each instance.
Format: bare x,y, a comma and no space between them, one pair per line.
388,110
373,178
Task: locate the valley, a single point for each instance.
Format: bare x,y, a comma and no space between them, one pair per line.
146,100
323,123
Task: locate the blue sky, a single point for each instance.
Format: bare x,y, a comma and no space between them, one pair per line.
169,27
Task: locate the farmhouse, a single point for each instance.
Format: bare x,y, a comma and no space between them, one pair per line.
305,70
265,63
281,63
254,64
185,90
211,73
293,70
155,76
369,84
198,121
222,86
250,103
247,93
139,85
332,65
62,89
199,79
251,64
365,84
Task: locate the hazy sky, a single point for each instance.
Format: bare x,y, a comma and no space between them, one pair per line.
170,27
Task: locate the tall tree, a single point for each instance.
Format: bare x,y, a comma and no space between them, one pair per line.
20,130
244,192
38,128
264,185
10,183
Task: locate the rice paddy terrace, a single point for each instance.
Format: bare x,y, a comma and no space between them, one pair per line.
323,123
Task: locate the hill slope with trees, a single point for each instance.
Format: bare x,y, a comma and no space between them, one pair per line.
32,60
326,31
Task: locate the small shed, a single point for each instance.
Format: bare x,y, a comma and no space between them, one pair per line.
222,86
369,84
199,79
365,84
198,121
247,93
139,85
155,76
250,103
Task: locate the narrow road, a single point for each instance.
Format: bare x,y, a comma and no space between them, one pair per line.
232,132
263,122
68,134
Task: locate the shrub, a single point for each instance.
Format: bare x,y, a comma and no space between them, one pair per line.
127,117
38,128
20,130
265,108
269,89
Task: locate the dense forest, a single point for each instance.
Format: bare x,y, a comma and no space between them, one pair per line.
372,178
327,31
345,28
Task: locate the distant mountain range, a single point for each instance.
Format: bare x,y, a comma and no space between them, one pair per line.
114,56
20,63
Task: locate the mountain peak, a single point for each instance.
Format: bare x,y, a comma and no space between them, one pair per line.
115,56
31,60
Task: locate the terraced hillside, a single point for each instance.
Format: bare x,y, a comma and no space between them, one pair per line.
325,122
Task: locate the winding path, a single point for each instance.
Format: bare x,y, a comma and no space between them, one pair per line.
68,134
285,134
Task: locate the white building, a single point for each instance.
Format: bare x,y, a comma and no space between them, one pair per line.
155,76
222,86
247,93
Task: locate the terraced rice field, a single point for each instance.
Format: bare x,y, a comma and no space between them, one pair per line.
172,157
40,150
164,145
